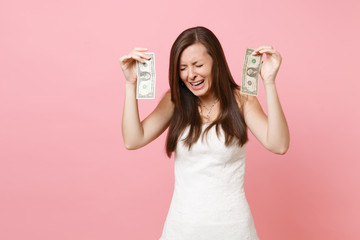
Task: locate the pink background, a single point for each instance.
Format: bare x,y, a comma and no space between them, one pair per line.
64,171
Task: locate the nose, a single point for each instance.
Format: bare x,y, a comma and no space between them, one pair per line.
192,74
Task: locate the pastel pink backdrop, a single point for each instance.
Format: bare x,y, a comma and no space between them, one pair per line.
64,171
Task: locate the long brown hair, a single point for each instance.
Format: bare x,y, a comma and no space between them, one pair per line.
186,112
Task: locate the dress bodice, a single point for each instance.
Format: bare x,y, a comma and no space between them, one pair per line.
209,201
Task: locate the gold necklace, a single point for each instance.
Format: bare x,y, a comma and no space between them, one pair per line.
209,110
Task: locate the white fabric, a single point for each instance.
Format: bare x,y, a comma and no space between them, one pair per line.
208,201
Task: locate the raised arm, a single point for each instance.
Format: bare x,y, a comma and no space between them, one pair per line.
272,130
136,133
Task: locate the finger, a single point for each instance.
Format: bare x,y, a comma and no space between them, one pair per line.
142,56
145,56
256,51
124,58
133,56
138,58
266,51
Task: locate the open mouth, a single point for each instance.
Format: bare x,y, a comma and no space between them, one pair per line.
197,83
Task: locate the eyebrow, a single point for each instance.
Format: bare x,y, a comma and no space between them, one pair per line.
183,64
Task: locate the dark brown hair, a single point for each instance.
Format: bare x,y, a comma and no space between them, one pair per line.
224,87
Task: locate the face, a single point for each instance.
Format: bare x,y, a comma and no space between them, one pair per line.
195,69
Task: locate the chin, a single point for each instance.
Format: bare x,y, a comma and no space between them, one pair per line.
199,93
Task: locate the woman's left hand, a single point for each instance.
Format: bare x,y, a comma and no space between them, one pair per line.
270,66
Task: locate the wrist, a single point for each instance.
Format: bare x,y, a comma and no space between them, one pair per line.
269,85
130,84
269,81
130,88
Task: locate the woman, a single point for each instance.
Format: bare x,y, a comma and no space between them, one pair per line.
208,120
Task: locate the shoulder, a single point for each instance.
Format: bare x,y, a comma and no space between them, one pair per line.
247,103
166,103
160,117
167,95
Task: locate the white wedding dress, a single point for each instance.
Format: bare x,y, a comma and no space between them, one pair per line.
208,201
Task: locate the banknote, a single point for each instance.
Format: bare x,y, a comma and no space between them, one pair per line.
250,73
146,78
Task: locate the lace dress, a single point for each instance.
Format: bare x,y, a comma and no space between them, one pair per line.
208,201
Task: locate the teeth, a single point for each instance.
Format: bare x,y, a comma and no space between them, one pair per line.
197,84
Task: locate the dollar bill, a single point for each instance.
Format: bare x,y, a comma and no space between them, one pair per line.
250,73
146,78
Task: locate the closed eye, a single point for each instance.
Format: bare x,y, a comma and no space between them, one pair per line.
200,65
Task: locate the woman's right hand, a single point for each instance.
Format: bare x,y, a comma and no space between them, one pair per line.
128,63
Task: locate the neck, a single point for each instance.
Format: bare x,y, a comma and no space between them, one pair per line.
207,100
